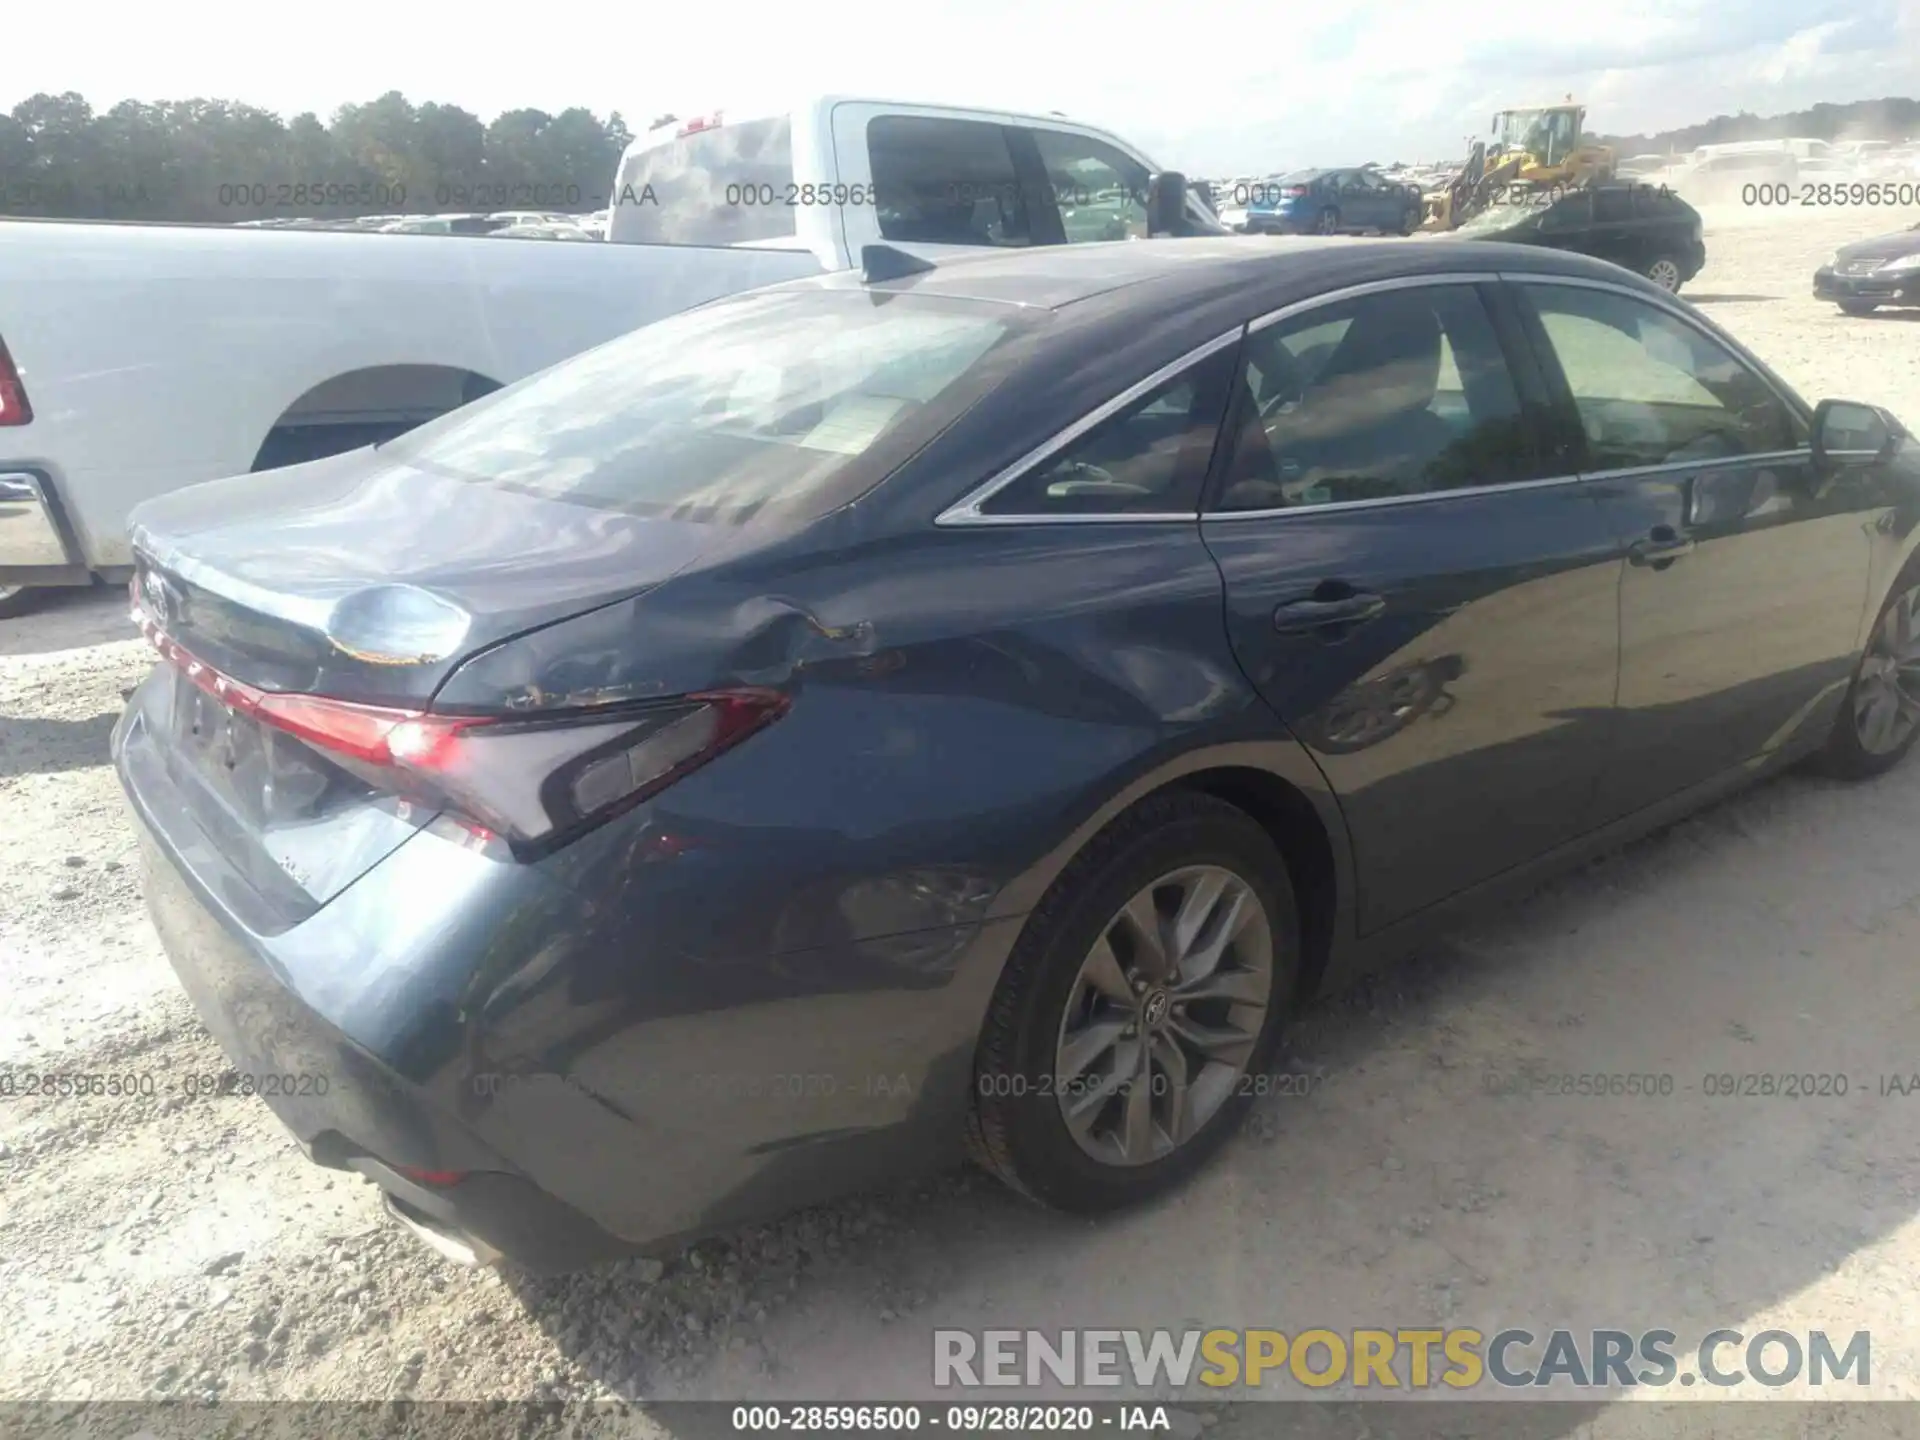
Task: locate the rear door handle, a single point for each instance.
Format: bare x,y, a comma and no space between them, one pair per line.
1298,616
1662,547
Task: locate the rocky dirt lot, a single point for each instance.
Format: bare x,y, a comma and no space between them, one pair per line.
184,1248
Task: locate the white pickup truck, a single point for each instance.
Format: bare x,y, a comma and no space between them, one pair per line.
135,359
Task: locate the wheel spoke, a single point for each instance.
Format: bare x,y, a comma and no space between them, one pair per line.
1085,1106
1173,1064
1144,926
1136,1138
1228,1043
1085,1046
1230,917
1102,971
1242,987
1197,904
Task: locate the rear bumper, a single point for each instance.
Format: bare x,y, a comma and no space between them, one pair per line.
1881,290
36,544
598,1088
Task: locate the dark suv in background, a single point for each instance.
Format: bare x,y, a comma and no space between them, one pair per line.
1643,228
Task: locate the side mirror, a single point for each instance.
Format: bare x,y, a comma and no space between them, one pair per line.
1166,203
1846,432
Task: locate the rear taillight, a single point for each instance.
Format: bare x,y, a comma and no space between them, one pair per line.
14,409
535,783
1297,190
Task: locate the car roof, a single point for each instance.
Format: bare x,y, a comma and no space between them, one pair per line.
1176,272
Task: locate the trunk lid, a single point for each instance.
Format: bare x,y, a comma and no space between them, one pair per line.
355,578
368,579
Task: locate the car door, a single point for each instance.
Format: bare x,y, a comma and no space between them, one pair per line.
1414,586
1615,233
1747,577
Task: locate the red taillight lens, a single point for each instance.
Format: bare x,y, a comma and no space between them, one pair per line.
537,782
1297,190
14,409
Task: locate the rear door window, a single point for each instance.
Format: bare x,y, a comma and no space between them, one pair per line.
1384,395
726,185
946,182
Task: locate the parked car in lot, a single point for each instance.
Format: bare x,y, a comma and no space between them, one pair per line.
1332,202
1643,228
968,706
1867,274
246,349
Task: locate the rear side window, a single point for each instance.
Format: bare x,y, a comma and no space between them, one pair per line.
713,414
722,186
946,182
1384,395
1149,459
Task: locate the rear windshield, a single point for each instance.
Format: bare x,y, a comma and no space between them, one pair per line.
719,412
724,186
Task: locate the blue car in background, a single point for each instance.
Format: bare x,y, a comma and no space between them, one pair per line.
1329,202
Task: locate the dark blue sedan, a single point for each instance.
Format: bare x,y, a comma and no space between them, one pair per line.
1331,202
968,709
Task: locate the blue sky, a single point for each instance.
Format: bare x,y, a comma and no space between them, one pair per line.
1214,88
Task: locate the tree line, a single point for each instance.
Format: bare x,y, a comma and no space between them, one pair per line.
220,161
1891,118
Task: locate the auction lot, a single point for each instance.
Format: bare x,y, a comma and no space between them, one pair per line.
184,1247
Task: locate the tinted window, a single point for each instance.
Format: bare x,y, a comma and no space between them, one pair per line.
1101,193
1612,206
1651,389
722,410
720,186
1392,394
945,182
1147,460
1575,212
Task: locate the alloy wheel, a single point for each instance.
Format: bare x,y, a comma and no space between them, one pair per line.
1664,273
1886,696
1164,1015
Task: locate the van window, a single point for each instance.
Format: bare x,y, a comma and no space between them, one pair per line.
723,186
945,182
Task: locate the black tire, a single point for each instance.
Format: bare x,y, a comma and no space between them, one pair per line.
1410,221
1845,756
20,601
1021,1136
1857,307
1327,222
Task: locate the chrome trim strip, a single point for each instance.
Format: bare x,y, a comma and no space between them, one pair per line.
1669,303
967,511
1371,287
1721,462
1381,502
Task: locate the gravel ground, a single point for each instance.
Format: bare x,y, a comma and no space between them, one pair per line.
185,1249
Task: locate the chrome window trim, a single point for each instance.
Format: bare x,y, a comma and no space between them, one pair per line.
1370,287
1718,462
967,510
1381,502
1669,304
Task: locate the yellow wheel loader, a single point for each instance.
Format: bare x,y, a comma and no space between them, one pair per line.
1536,147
